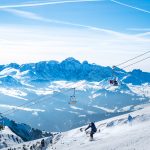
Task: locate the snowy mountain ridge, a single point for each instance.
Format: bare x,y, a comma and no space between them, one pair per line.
48,85
24,131
8,138
69,70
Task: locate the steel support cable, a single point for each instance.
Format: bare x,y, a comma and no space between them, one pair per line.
34,103
24,104
132,59
37,102
136,62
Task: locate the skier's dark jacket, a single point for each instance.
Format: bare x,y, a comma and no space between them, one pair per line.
92,126
130,118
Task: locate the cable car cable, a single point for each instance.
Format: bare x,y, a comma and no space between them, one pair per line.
39,101
132,58
24,104
136,62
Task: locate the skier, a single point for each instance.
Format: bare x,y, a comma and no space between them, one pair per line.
130,119
93,130
42,144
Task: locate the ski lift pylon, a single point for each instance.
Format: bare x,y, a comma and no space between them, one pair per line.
73,100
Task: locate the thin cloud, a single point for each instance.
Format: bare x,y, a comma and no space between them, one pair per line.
24,14
139,29
46,3
143,34
133,7
33,16
33,44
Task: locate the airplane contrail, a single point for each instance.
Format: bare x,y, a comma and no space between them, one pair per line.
46,3
133,7
33,16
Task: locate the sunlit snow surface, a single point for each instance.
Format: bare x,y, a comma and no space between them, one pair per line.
20,108
121,135
8,138
143,90
113,134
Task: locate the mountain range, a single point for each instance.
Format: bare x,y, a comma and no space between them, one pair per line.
38,94
69,70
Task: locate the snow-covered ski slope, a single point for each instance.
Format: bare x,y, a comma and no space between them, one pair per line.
31,145
8,138
115,134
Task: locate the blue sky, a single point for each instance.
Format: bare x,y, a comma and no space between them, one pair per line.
105,32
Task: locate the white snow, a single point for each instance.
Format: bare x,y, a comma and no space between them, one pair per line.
82,115
91,112
8,71
95,95
7,131
58,109
13,93
121,136
105,109
143,90
21,108
112,88
76,108
42,91
113,134
35,113
35,143
8,138
127,108
73,112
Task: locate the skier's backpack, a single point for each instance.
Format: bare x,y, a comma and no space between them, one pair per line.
95,129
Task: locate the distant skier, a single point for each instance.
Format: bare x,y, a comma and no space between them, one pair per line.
130,118
17,140
42,144
93,130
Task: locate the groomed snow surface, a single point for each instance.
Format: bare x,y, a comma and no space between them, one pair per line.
113,134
